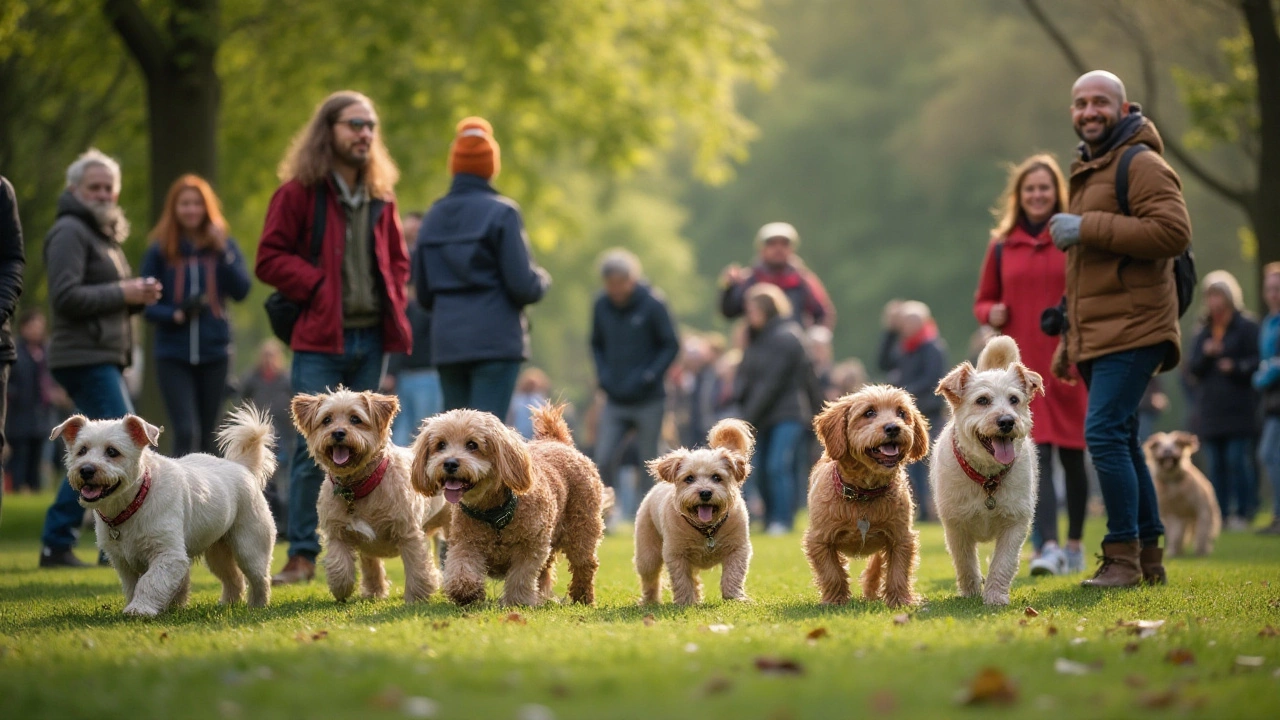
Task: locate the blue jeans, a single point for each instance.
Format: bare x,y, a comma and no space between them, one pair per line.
99,394
1232,474
359,367
774,469
1269,458
1116,384
486,386
420,398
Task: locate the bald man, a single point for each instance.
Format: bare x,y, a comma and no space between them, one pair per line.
1121,307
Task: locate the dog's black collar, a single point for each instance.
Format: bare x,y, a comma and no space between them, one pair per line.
708,531
498,517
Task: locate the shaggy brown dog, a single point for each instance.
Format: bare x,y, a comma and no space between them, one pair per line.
859,501
366,503
514,504
1188,506
695,519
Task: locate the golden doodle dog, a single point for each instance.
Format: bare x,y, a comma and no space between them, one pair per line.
984,468
694,518
1188,505
367,504
514,504
859,501
154,514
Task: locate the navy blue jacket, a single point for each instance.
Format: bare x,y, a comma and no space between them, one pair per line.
200,286
473,271
633,346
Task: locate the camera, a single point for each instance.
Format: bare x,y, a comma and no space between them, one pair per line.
1053,321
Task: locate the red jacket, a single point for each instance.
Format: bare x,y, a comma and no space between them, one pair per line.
1032,277
283,263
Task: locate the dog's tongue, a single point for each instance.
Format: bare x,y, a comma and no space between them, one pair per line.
705,513
454,490
889,450
1002,449
91,492
340,455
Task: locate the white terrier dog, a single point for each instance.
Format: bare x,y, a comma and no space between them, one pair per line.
983,468
153,514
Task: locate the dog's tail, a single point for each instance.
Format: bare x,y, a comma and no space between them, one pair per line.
248,438
1000,353
549,424
732,435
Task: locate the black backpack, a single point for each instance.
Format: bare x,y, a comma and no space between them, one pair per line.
1184,266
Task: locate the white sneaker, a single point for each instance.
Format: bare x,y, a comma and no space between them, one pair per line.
775,529
1052,561
1075,561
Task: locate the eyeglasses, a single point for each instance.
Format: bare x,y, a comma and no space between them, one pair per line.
358,124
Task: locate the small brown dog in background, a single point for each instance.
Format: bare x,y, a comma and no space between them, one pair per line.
694,518
1188,505
514,504
366,503
859,501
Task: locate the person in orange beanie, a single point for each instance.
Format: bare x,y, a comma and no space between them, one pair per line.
474,271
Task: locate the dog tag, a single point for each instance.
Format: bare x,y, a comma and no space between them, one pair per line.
991,502
863,526
115,534
711,543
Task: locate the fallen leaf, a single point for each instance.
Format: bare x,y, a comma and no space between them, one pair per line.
1267,632
1180,656
1022,622
559,690
720,628
88,643
1141,628
990,685
883,702
1250,660
717,684
649,620
389,698
1031,612
1158,700
164,636
1275,603
1130,648
515,618
901,619
1064,666
1051,630
1135,681
778,666
816,634
439,624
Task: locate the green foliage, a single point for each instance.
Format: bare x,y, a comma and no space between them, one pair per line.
1222,110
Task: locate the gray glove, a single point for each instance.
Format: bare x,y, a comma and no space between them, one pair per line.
1065,229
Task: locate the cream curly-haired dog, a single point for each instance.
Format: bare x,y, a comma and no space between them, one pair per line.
1188,505
514,504
859,501
694,518
154,514
366,504
983,471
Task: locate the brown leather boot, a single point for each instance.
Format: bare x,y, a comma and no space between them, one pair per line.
298,569
1120,566
1152,561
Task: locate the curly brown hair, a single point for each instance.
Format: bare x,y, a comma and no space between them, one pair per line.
310,155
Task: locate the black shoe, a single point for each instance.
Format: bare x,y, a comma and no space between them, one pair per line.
50,558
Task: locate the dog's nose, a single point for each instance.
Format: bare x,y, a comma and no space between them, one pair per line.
451,466
339,435
1005,423
892,430
87,472
705,495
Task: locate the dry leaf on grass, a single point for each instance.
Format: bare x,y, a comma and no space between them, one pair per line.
1131,648
649,620
717,684
990,685
1268,632
1180,656
816,634
305,637
1051,630
1064,666
389,699
883,702
1141,628
515,619
439,624
1135,681
901,619
778,666
1031,612
164,636
1158,700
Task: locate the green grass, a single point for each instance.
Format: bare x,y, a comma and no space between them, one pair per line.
66,651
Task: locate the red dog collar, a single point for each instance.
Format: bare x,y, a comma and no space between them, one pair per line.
989,484
352,494
854,493
133,506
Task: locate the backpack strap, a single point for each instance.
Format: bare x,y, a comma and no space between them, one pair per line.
1122,176
317,225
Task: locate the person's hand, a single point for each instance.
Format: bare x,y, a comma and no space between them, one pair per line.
1226,365
1159,401
998,316
141,291
1211,347
388,384
1060,367
179,317
1065,229
889,316
731,275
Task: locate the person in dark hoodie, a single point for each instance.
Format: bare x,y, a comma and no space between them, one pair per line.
633,343
12,262
201,268
474,272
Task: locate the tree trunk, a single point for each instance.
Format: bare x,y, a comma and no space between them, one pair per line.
1264,211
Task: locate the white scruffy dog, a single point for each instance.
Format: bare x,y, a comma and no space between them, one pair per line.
983,468
153,514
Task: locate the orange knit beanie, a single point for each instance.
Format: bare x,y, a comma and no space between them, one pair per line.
474,151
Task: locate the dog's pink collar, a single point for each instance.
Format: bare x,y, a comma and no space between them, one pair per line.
352,494
133,506
988,483
855,493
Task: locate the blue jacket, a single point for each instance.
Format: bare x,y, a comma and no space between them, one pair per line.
473,271
200,286
633,346
1268,375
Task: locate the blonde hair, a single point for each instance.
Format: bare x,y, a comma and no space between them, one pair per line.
1008,211
770,299
309,159
1225,283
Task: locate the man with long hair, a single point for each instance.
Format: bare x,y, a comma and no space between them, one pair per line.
352,293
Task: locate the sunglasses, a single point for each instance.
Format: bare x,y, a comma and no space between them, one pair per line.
358,124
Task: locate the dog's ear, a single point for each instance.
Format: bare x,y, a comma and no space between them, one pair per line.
419,476
1150,445
1187,440
665,468
143,433
739,466
919,434
304,409
512,461
1032,382
952,386
382,409
69,429
832,428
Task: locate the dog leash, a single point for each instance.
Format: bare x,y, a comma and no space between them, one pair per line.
113,522
498,517
708,531
989,484
352,494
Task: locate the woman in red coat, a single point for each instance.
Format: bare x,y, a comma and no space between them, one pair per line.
1024,273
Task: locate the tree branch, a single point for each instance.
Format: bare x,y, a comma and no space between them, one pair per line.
1057,36
144,41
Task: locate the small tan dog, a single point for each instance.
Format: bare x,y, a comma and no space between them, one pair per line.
694,518
1188,506
984,467
366,503
154,514
859,500
514,504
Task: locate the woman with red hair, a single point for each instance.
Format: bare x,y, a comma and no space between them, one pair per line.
201,268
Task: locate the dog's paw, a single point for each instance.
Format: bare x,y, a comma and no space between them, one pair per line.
740,599
898,601
835,601
135,610
996,598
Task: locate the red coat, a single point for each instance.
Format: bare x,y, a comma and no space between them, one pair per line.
283,254
1033,276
